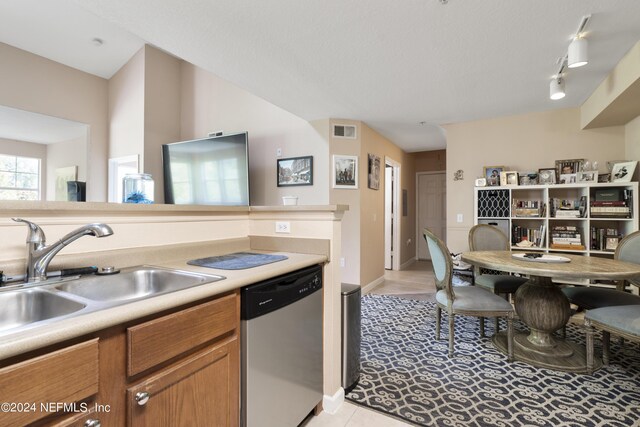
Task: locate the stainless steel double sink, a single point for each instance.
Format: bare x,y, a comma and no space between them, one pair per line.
46,302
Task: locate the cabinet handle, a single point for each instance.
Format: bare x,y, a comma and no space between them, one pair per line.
142,397
92,423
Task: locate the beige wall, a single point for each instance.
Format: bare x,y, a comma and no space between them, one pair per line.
632,144
33,83
63,154
162,105
126,109
28,149
430,161
524,142
210,103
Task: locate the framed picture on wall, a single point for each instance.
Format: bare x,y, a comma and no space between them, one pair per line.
295,171
373,169
345,172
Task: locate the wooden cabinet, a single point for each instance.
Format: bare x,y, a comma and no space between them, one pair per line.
186,361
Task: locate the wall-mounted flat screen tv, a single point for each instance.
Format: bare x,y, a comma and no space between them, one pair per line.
208,171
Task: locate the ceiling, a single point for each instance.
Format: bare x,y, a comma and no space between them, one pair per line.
405,67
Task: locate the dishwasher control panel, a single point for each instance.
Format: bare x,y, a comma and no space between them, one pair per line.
264,297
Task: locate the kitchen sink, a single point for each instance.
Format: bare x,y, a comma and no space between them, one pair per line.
24,307
139,282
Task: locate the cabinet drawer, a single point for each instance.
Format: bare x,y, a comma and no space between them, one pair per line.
159,340
63,376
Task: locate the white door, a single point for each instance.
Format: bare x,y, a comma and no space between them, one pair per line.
388,217
432,207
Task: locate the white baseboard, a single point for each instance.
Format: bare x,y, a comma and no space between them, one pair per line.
408,263
331,404
371,286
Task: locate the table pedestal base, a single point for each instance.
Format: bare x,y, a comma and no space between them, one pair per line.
564,356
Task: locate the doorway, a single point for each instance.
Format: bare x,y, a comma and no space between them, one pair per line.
432,208
391,214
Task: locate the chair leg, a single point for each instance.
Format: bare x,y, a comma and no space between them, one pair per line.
481,327
451,333
606,347
589,333
438,316
510,337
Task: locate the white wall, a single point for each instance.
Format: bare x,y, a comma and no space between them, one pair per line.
210,103
63,154
632,144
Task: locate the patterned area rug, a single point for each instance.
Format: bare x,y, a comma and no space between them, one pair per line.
406,373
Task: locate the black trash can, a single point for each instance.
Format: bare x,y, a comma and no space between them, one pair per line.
351,323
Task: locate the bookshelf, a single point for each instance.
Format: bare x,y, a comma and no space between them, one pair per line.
581,218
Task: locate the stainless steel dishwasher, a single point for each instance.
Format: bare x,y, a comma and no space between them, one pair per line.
281,335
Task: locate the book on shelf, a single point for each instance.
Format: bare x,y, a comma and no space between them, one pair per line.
566,208
567,247
533,235
600,237
527,208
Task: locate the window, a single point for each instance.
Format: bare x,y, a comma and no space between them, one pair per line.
19,178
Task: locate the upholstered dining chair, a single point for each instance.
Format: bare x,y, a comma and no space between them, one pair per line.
621,320
589,298
464,300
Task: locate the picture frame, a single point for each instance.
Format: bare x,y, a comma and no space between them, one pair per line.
547,176
345,172
611,243
568,167
527,178
294,171
588,176
568,178
64,175
492,174
604,177
623,171
509,178
373,172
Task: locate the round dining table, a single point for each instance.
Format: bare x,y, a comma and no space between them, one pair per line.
541,305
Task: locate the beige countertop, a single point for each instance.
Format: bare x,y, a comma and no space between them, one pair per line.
82,324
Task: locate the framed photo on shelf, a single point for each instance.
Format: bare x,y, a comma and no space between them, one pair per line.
345,172
509,178
589,176
295,171
547,176
568,167
611,243
492,174
568,178
528,178
604,177
622,172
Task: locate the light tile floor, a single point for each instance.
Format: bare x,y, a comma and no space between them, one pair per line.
414,282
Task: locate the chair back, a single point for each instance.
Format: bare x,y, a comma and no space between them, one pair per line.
485,237
628,250
442,264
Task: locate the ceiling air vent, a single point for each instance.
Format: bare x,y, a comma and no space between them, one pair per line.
344,131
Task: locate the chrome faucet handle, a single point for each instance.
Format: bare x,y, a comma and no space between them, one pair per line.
36,235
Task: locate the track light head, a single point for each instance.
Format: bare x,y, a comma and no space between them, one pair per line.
556,88
578,53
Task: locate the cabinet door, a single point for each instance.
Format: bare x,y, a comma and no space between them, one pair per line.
201,390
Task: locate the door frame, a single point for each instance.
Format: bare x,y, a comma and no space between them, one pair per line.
418,231
395,203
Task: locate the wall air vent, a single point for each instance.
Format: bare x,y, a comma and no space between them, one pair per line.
344,131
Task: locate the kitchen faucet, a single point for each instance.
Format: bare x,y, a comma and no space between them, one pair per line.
39,255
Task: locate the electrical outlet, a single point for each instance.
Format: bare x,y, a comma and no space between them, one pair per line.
283,227
459,218
279,152
342,262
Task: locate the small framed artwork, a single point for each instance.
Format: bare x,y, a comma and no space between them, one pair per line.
547,176
604,177
622,172
528,178
295,171
492,174
373,169
611,243
589,176
64,175
345,172
568,167
568,178
509,178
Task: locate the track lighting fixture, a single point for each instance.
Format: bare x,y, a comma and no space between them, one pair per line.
576,56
